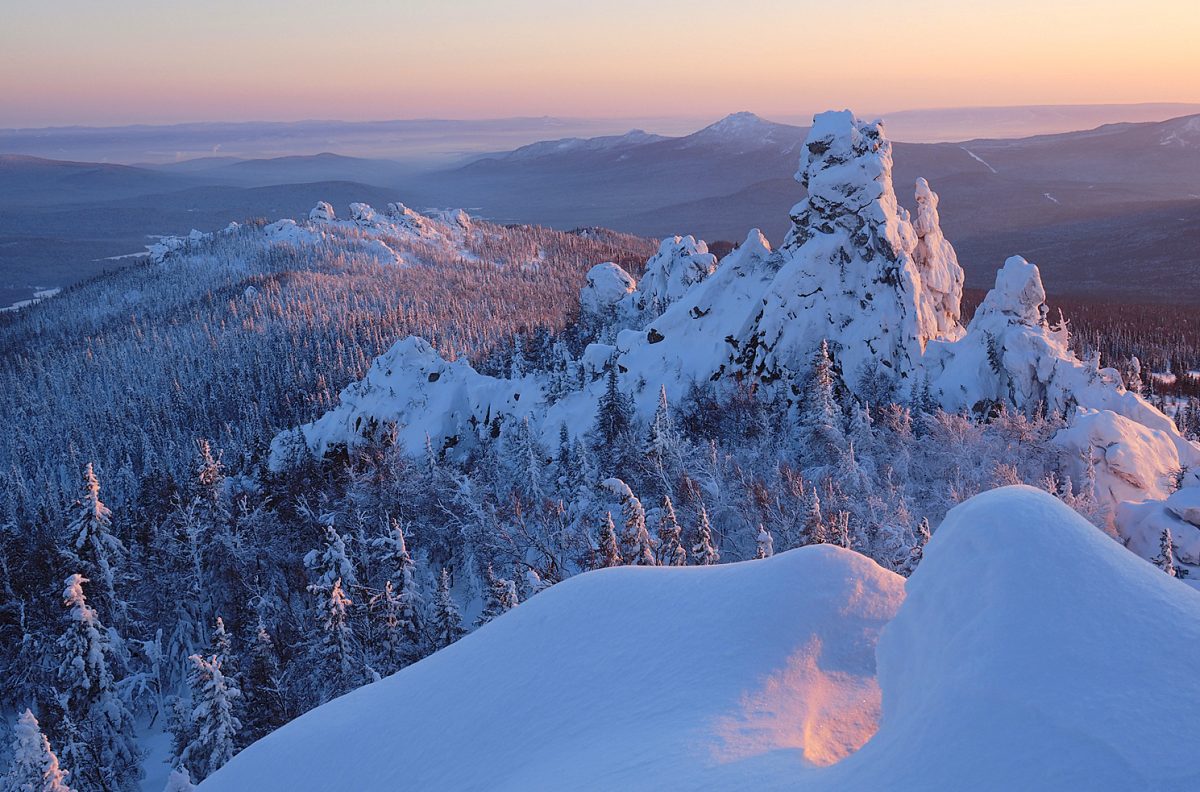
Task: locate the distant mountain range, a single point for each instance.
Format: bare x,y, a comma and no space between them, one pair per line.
1089,207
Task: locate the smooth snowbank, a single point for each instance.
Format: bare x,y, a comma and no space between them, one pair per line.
623,678
1032,653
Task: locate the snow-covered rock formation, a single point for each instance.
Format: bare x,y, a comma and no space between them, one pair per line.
882,287
1007,664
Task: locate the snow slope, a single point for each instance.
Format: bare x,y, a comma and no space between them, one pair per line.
1010,665
623,678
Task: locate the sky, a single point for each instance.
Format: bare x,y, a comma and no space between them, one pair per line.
149,61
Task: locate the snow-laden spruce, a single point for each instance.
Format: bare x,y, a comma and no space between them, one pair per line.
1004,663
882,288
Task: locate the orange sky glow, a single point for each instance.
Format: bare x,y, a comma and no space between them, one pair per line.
125,61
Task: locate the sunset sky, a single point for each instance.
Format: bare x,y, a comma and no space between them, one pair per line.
124,61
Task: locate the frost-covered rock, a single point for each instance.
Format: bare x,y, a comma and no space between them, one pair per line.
940,298
607,285
680,263
856,270
322,212
423,395
362,214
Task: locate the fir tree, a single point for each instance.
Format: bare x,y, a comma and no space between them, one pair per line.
100,746
917,551
614,426
92,548
704,553
499,596
815,531
607,552
447,620
1165,560
820,416
336,650
215,724
265,710
33,766
636,545
401,600
670,537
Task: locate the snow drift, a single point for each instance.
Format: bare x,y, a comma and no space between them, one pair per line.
624,678
1010,665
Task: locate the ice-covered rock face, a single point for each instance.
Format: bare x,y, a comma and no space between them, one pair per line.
322,211
607,285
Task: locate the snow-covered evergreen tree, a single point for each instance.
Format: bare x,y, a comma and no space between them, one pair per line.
336,652
400,601
820,417
608,551
33,766
704,552
499,596
447,619
262,689
1165,560
636,545
670,536
92,548
815,529
100,746
921,535
215,725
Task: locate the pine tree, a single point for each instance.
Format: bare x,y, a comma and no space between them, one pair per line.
400,600
215,725
447,620
815,530
100,746
607,552
839,529
704,553
613,432
499,597
330,563
526,458
1165,560
820,416
92,548
764,544
670,537
33,767
336,650
636,545
663,436
265,710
